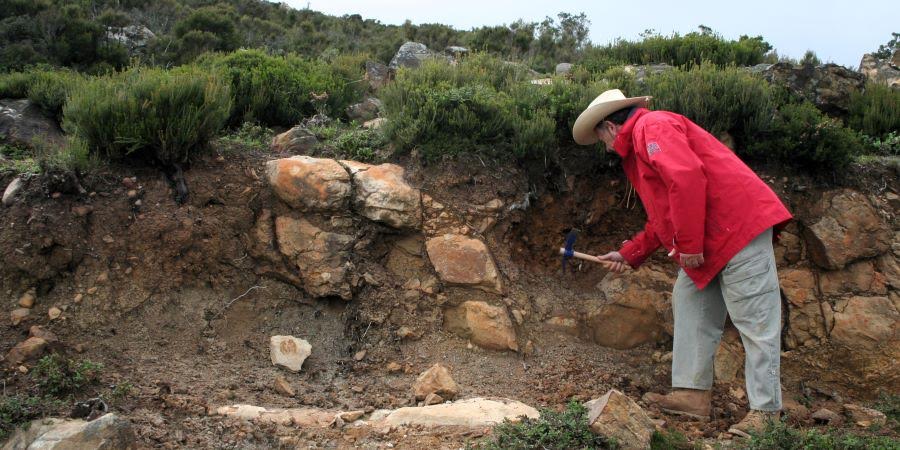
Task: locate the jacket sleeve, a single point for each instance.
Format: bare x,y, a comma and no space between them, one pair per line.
640,247
670,155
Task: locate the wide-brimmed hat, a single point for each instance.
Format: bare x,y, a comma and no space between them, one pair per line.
602,106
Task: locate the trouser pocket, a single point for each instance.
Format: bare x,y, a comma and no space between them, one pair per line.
751,277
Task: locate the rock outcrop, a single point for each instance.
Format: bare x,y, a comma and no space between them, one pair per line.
23,124
636,309
297,141
848,229
485,325
617,416
464,261
471,412
108,432
884,71
827,86
310,184
436,380
322,257
382,194
412,55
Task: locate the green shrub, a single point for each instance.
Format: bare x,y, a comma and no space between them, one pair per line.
778,435
149,113
802,136
887,145
718,99
876,110
18,410
670,440
15,84
249,136
277,90
553,430
58,376
50,89
677,50
359,144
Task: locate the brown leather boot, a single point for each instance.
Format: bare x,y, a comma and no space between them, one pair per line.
684,402
754,422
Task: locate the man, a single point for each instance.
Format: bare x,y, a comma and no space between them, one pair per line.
715,218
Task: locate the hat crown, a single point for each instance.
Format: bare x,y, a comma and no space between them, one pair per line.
608,96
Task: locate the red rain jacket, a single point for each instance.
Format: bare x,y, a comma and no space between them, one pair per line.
698,195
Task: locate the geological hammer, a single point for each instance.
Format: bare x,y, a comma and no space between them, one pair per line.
568,253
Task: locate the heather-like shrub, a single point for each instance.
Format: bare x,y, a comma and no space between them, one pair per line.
875,111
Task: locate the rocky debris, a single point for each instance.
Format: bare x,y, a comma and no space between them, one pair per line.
108,432
827,86
13,188
889,266
436,380
563,68
22,123
297,417
865,417
382,194
848,229
472,412
82,210
133,37
18,315
564,324
884,71
637,309
788,249
412,55
729,360
794,409
310,184
40,332
377,74
809,319
433,399
27,299
866,323
289,352
365,110
297,141
322,257
281,386
53,313
617,416
485,325
826,416
28,350
464,261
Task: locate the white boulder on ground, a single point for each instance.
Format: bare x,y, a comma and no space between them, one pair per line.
298,417
471,412
464,261
412,55
381,194
13,188
107,432
486,326
617,416
436,380
310,184
289,352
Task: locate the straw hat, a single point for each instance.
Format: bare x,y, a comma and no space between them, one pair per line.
602,106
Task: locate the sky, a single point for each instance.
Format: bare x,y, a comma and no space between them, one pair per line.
838,31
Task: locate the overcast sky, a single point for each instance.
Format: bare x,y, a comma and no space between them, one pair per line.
838,31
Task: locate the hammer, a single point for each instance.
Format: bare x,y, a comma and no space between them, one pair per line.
568,253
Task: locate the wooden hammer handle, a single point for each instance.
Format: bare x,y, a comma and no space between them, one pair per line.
586,257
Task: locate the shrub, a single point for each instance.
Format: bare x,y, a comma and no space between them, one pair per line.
18,410
150,113
358,145
553,430
802,136
718,99
876,110
677,50
887,145
15,84
779,435
50,89
57,376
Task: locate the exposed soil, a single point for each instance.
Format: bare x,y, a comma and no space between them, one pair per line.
174,303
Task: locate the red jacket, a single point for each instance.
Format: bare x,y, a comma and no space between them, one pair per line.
698,195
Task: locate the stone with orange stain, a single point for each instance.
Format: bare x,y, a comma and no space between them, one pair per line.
310,184
322,257
464,261
485,325
382,194
848,228
809,317
289,352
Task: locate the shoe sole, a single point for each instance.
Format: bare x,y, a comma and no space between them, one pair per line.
686,414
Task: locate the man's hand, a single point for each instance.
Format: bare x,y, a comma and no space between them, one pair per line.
692,261
618,262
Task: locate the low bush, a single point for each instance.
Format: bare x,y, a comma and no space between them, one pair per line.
58,376
875,111
677,50
778,435
17,410
155,114
15,84
553,430
50,89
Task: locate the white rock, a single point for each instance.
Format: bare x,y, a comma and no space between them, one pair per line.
472,412
289,352
11,190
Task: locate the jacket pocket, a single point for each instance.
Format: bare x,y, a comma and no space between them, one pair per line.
749,278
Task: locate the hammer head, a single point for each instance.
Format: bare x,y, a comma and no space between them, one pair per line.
569,248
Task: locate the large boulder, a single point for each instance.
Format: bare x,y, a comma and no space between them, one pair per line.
289,351
436,380
321,256
23,124
411,55
636,309
134,37
382,194
617,416
563,68
465,261
884,71
107,432
471,412
848,228
866,323
368,109
377,74
485,325
809,318
310,184
297,141
827,86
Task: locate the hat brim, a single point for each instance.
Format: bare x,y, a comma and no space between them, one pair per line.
583,130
